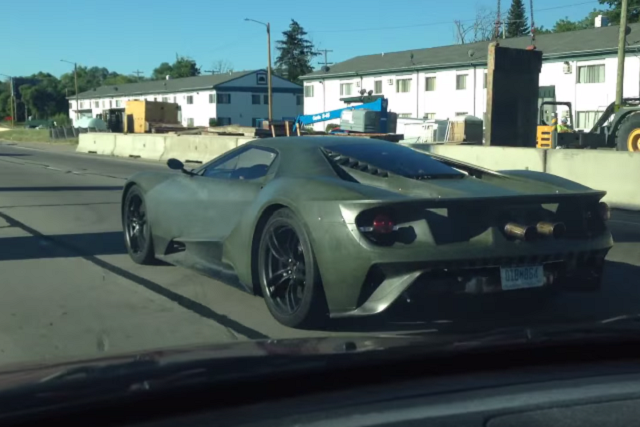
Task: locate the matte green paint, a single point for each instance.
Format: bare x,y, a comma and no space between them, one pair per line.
217,219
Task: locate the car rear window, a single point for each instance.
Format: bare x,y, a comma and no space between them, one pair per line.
396,159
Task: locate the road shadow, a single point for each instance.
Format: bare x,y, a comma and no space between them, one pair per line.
61,246
13,155
620,295
64,246
70,188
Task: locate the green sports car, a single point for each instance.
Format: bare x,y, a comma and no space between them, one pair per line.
342,226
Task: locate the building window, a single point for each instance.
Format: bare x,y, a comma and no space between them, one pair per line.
70,105
429,116
212,98
591,74
255,99
345,89
190,123
174,100
118,104
586,119
461,114
255,121
484,84
461,82
377,87
308,91
110,103
224,98
265,99
81,104
165,99
298,100
155,99
403,85
430,84
96,104
189,99
404,115
224,121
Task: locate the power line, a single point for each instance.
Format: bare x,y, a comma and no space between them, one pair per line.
325,51
351,30
137,73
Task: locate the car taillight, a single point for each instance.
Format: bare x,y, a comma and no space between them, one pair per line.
381,224
604,211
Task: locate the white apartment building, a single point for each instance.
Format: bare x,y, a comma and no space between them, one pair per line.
230,98
442,82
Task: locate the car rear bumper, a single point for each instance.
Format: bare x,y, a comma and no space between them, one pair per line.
387,282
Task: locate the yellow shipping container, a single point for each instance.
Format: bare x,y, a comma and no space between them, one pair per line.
140,114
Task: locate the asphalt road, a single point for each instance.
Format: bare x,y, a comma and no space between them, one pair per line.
69,289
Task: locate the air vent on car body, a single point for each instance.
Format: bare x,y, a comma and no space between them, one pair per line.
352,163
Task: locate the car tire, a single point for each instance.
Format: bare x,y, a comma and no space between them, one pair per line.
288,273
139,243
628,138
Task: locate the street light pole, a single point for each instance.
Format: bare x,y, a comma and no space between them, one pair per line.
269,87
12,101
75,77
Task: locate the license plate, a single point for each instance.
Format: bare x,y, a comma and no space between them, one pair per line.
521,277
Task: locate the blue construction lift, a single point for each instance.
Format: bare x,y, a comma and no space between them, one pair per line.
379,104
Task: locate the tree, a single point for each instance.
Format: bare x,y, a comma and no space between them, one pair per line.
221,66
481,29
296,53
517,20
633,12
182,67
565,24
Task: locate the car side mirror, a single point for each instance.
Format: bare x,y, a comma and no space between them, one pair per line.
176,164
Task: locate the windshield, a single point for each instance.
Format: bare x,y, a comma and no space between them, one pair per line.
303,199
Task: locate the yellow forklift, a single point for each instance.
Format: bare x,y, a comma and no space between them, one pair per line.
619,130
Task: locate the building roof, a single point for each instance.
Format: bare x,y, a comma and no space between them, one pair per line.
592,41
152,87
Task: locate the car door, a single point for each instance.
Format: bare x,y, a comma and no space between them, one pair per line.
221,192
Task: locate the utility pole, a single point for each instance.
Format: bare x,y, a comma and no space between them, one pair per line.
75,77
622,44
137,73
325,51
270,96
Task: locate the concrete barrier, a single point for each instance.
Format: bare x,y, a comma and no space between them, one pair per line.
144,146
616,172
197,148
495,158
97,143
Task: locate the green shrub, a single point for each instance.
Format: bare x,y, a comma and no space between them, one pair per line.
61,119
331,126
213,122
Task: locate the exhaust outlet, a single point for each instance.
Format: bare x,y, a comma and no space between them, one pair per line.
553,229
522,232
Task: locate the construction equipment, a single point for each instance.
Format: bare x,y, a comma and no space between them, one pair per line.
619,130
379,105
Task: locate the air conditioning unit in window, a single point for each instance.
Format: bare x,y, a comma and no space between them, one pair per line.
390,82
566,68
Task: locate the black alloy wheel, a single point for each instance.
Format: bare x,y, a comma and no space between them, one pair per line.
136,228
288,272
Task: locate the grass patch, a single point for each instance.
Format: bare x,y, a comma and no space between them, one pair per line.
32,135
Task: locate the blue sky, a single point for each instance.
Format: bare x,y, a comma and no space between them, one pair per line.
129,35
